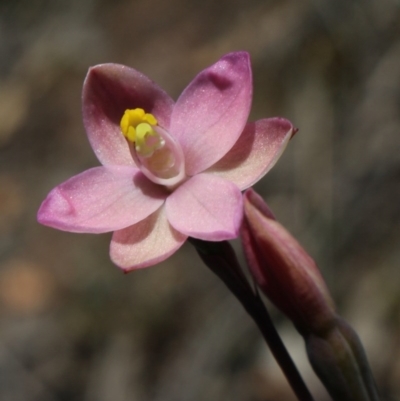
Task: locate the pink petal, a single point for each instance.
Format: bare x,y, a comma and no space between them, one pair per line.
110,89
255,153
206,207
146,243
212,111
101,199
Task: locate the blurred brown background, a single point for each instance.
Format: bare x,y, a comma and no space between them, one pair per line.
72,326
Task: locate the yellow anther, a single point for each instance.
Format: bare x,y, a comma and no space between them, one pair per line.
131,134
150,119
132,119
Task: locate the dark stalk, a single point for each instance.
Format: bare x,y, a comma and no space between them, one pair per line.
221,259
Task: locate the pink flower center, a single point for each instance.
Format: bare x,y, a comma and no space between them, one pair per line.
153,149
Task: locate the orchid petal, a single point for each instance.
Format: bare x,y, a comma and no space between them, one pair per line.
206,207
101,199
146,243
255,153
110,89
212,111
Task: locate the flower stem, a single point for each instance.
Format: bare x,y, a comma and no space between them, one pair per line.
221,259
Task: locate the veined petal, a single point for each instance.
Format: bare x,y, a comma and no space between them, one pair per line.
146,243
255,153
212,111
101,199
206,207
110,89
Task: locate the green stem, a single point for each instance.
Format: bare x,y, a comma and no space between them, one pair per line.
221,259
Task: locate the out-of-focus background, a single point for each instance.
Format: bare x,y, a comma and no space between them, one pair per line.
72,326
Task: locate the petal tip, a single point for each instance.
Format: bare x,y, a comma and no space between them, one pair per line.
54,210
240,55
126,266
240,61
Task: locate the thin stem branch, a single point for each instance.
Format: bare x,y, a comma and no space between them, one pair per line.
260,315
221,259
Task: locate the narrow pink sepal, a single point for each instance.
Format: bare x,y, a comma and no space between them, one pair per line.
101,199
212,111
146,243
110,89
256,151
206,207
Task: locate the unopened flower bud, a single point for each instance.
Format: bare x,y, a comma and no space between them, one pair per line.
291,280
283,269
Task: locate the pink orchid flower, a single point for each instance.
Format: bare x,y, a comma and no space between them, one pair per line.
169,169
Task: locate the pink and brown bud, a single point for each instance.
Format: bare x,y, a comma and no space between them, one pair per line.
283,269
291,280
